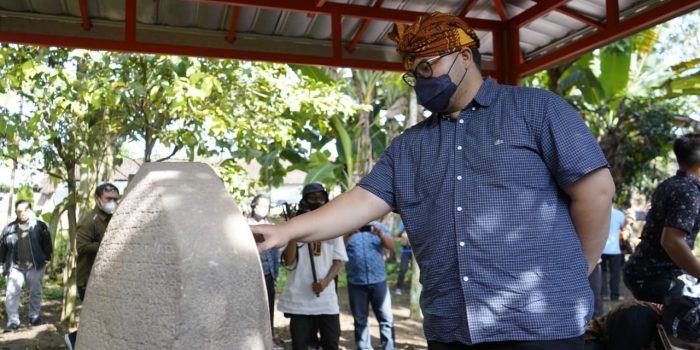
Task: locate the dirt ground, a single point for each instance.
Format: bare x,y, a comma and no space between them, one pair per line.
409,333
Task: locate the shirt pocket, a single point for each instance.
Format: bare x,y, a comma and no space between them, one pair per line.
512,160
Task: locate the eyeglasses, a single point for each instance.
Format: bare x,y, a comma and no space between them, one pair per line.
424,69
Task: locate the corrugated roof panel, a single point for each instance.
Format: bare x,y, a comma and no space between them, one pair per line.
590,8
321,27
484,9
294,24
178,13
209,16
51,7
265,22
246,19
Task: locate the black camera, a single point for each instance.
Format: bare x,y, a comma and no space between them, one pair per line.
366,228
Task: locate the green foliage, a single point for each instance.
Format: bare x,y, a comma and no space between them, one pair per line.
52,293
625,93
25,192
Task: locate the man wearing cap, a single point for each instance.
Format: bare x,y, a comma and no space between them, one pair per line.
309,298
504,192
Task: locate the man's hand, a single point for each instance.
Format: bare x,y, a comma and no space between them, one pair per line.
269,236
318,287
377,230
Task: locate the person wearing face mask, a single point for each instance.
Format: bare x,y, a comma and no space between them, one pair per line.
25,250
270,261
504,192
91,230
309,298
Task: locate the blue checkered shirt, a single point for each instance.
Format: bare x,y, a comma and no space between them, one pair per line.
481,197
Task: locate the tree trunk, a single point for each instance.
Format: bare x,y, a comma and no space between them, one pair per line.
11,198
416,289
56,237
70,290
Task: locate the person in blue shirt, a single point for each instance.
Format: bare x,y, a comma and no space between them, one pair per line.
406,257
366,273
612,258
503,190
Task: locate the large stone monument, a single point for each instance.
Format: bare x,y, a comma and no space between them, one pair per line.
178,269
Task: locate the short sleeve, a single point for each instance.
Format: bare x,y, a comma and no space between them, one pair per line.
380,181
339,252
567,145
682,209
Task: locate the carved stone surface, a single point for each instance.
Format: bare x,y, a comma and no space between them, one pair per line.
177,269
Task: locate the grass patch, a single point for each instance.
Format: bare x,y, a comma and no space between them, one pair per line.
52,293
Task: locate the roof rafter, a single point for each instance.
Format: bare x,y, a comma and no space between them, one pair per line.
349,10
85,15
641,21
361,30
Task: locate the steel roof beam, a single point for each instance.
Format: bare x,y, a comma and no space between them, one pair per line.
498,4
641,21
612,12
231,36
337,36
349,10
130,21
361,29
468,7
84,14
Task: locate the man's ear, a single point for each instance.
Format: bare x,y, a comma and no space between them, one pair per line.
467,57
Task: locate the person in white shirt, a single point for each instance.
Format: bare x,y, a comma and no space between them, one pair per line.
309,297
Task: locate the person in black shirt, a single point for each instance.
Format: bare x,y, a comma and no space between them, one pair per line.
672,224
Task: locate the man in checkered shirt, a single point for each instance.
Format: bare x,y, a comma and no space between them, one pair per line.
505,196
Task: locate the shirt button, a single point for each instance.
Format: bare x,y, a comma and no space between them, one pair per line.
461,121
473,108
459,208
461,244
459,177
459,148
465,279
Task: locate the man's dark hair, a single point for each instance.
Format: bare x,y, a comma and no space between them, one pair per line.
105,187
22,201
476,56
687,150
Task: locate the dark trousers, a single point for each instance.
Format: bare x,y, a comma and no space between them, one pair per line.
74,335
612,269
270,285
304,327
377,295
595,279
653,290
562,344
406,258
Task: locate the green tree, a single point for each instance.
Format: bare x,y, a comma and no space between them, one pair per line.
620,92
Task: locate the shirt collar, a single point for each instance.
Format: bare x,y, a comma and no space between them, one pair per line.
101,214
682,173
487,92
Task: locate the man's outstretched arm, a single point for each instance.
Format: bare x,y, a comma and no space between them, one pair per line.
343,214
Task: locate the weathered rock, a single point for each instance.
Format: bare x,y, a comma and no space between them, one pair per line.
177,269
